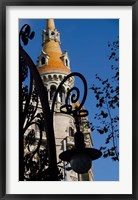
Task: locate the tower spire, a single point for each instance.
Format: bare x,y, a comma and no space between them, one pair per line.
50,24
52,58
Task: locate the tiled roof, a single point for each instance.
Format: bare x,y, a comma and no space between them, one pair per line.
53,50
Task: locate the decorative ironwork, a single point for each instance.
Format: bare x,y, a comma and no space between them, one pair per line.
72,97
37,161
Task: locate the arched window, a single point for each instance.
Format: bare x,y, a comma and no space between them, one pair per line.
62,94
66,62
52,33
52,91
44,78
71,132
43,61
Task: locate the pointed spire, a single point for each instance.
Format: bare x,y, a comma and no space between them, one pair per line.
50,24
51,50
52,38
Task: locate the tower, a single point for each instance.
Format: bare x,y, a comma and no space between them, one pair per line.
53,66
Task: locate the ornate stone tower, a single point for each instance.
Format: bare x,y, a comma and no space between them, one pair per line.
53,66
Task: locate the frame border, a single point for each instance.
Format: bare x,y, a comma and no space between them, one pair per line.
3,5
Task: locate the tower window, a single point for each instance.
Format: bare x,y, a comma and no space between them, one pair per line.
52,92
52,33
71,132
66,62
62,94
43,61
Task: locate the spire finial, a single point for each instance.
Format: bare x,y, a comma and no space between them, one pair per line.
50,24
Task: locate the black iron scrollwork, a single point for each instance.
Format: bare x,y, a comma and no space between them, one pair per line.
26,34
72,97
37,152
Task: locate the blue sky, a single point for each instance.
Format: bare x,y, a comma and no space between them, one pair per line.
86,41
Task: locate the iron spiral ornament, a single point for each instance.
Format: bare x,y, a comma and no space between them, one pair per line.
72,97
35,163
